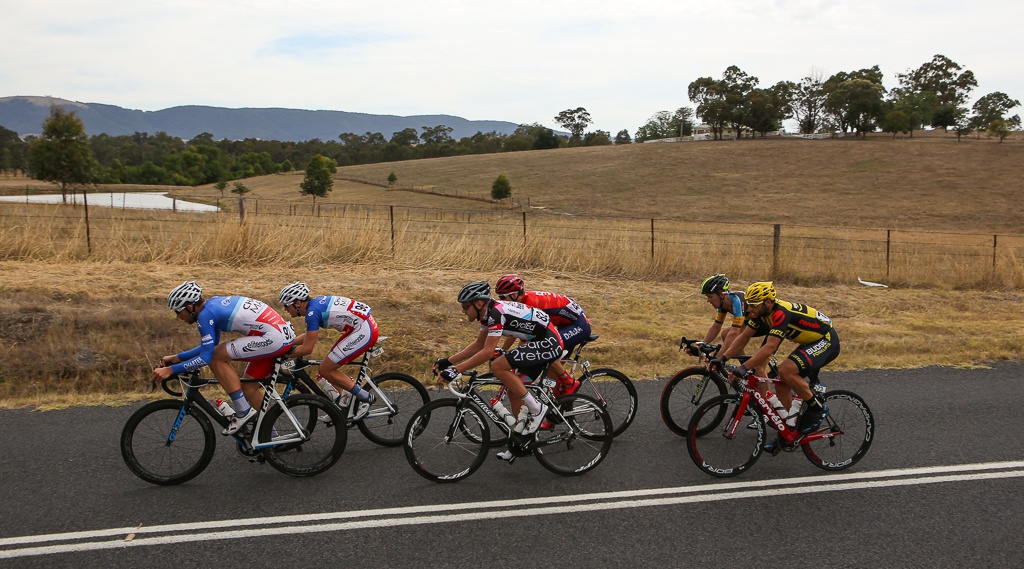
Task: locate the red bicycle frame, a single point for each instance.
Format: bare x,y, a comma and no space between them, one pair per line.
790,435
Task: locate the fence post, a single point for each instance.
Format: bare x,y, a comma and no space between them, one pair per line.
652,238
888,248
391,216
88,236
174,204
995,240
241,210
524,229
776,236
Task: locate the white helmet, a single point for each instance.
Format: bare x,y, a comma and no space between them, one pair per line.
293,293
187,292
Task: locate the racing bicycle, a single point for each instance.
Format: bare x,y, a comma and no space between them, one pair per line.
171,441
449,438
723,441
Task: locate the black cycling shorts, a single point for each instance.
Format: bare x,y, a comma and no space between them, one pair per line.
810,358
530,358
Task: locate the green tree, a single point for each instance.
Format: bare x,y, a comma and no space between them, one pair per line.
709,94
855,100
919,107
318,179
664,124
575,121
392,178
895,121
737,87
994,107
946,80
240,189
597,138
221,185
808,103
998,128
62,155
623,137
501,188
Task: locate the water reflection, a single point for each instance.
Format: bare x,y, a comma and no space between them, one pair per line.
148,200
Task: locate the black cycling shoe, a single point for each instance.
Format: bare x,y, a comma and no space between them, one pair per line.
773,447
812,417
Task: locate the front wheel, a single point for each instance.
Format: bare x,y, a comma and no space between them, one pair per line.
580,436
684,393
311,443
845,434
168,442
727,447
385,422
615,391
446,440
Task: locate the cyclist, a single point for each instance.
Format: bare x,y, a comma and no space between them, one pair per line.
266,336
716,289
541,344
358,334
817,345
566,314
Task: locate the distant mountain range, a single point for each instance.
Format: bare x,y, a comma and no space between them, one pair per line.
25,115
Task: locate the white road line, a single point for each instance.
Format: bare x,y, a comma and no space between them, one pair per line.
391,517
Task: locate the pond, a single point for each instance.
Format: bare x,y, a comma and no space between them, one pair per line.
147,200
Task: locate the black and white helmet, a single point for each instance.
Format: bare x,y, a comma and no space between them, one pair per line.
187,292
295,292
475,290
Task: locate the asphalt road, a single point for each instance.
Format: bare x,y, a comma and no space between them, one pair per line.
942,486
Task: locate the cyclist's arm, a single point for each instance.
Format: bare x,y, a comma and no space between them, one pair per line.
761,357
482,355
305,343
737,344
507,343
712,332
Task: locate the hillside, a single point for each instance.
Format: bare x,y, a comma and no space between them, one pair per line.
25,115
929,182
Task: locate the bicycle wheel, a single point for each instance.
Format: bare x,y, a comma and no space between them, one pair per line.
727,447
385,422
164,445
850,427
319,442
436,442
579,442
615,391
684,393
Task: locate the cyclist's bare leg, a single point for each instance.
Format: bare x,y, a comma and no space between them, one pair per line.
228,377
339,379
516,390
790,374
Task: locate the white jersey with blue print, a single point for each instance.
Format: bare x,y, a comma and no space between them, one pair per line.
336,312
248,316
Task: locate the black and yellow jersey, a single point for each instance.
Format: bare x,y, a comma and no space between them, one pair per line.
791,321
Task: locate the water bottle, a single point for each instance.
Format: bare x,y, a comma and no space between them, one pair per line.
794,411
343,399
504,414
329,389
774,401
225,408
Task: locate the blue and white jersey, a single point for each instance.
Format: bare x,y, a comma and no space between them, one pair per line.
248,316
336,312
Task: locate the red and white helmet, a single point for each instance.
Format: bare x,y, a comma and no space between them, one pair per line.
509,284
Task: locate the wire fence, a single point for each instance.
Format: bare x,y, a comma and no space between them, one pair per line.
502,239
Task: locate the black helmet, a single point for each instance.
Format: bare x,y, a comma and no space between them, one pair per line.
715,283
475,290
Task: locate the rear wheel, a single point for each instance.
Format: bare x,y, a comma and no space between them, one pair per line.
579,439
385,422
446,440
684,393
727,446
166,442
615,391
309,445
848,430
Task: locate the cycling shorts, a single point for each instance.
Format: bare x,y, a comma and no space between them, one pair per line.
260,351
531,358
351,345
575,333
810,358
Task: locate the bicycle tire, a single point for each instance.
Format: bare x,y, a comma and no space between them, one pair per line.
406,394
680,396
150,456
578,443
849,415
323,444
715,452
615,391
436,444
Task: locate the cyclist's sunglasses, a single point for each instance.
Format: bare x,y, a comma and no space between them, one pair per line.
508,295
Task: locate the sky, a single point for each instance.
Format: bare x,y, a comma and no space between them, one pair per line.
522,62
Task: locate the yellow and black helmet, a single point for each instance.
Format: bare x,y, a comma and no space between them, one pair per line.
759,292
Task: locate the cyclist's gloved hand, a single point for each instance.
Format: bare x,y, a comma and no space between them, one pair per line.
717,362
692,349
450,374
741,371
442,363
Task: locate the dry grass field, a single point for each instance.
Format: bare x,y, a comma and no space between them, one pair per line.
78,328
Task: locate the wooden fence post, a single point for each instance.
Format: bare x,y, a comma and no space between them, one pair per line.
524,229
652,238
391,216
888,249
776,237
995,240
